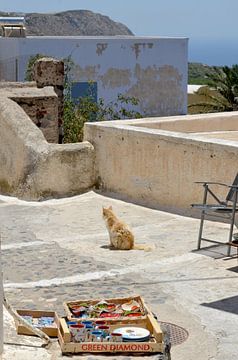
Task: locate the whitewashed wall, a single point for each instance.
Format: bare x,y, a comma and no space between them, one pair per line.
152,69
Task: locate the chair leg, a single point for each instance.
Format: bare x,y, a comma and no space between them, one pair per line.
229,247
232,223
200,230
230,236
202,216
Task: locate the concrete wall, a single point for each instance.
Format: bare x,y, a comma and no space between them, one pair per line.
31,168
199,123
152,69
158,168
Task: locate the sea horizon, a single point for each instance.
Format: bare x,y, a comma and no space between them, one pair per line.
213,52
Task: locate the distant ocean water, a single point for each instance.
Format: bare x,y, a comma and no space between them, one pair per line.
213,51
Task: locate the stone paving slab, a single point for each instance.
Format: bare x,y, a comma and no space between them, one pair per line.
39,257
57,250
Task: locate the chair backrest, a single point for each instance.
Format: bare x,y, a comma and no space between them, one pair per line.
230,195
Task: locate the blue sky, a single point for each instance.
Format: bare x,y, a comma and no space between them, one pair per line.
211,25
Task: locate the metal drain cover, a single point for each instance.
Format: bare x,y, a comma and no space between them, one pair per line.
177,334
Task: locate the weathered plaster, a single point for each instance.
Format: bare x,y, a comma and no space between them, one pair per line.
138,47
31,168
86,73
140,161
101,47
114,78
96,56
162,86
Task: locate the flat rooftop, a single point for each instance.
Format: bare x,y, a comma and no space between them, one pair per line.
56,250
115,37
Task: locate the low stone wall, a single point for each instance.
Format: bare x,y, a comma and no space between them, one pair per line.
31,168
41,105
158,168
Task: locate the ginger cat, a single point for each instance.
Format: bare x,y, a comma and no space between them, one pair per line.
121,237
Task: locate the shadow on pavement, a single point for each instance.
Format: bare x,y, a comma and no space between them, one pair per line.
228,304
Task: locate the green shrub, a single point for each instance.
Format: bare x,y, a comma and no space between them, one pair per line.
86,109
29,69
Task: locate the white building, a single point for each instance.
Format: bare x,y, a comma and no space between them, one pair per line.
154,70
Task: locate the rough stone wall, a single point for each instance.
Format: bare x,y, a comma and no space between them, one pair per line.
50,72
41,105
44,113
45,109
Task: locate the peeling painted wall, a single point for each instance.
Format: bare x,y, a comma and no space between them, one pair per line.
101,47
114,78
152,69
162,85
137,47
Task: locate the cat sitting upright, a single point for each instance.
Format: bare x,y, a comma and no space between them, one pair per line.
121,237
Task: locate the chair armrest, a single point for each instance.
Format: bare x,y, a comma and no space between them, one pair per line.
212,183
216,183
233,186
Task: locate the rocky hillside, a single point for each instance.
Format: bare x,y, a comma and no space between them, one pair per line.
198,73
71,23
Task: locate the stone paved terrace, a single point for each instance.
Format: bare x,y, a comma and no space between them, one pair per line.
55,250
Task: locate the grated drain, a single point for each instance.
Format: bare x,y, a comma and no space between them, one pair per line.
177,334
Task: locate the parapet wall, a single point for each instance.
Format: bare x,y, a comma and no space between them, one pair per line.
199,123
159,168
32,168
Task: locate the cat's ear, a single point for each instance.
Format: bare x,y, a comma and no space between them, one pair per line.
110,207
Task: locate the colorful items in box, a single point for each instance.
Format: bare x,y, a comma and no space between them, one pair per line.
89,331
104,309
40,322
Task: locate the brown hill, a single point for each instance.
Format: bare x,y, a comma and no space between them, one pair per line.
71,23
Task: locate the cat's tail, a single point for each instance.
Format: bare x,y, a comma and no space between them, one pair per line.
142,247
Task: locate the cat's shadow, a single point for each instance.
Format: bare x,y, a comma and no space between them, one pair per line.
109,247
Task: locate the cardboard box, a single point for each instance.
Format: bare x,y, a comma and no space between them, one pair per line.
50,331
143,307
154,345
